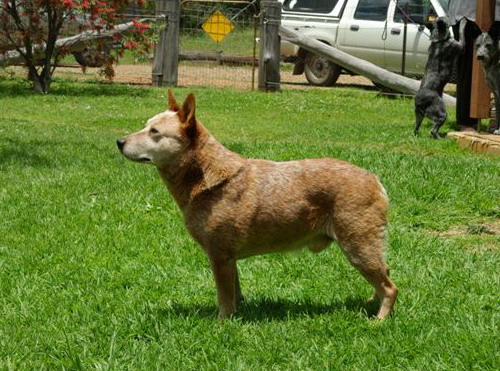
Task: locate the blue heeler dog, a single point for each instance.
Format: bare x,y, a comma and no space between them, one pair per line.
442,54
487,51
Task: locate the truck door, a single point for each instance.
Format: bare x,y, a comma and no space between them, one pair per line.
362,29
417,13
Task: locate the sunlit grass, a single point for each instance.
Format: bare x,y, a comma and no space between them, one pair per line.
98,272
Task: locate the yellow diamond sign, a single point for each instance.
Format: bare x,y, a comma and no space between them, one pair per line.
217,26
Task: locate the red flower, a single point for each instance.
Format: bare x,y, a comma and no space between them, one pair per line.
140,27
69,4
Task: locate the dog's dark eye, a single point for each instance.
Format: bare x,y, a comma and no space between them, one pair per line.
153,131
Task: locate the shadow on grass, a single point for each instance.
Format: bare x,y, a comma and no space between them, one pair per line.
19,153
20,88
277,309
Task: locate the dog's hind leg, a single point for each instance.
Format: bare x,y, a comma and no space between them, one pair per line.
365,251
435,128
438,113
372,266
419,117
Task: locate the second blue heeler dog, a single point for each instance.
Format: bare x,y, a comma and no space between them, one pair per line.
488,53
442,54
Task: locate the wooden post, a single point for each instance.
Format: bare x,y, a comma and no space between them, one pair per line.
480,105
166,55
269,58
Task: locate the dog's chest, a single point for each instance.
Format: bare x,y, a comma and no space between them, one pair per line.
444,52
493,77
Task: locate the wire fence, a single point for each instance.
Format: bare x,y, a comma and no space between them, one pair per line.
218,43
217,47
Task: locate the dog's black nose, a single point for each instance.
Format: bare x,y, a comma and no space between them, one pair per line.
120,143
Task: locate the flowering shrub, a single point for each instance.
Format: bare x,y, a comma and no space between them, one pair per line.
32,27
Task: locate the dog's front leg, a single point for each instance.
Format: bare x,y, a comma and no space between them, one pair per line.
226,276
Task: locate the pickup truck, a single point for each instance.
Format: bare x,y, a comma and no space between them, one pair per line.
372,30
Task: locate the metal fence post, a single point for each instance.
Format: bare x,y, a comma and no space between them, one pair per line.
166,55
269,58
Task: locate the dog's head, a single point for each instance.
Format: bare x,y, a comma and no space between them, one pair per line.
165,136
487,47
440,30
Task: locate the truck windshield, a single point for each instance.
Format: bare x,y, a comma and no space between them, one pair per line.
310,6
414,11
372,10
445,4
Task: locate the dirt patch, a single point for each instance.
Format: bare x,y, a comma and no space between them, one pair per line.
473,229
475,237
189,74
205,75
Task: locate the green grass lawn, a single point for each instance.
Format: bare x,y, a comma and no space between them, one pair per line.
98,272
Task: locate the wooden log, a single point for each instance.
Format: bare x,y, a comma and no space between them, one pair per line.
71,44
359,66
219,57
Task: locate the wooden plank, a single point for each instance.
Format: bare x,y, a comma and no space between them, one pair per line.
217,56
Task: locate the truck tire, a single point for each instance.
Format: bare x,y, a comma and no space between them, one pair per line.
320,71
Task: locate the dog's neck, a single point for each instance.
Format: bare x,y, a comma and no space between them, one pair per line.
439,40
205,165
492,62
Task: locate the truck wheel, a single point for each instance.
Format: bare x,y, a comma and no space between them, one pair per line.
320,71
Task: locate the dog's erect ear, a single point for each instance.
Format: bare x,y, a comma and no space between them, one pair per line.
172,103
441,24
493,32
187,117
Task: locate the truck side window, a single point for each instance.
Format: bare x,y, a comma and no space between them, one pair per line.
310,6
372,10
417,11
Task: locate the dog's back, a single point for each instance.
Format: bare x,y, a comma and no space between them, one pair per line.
439,65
